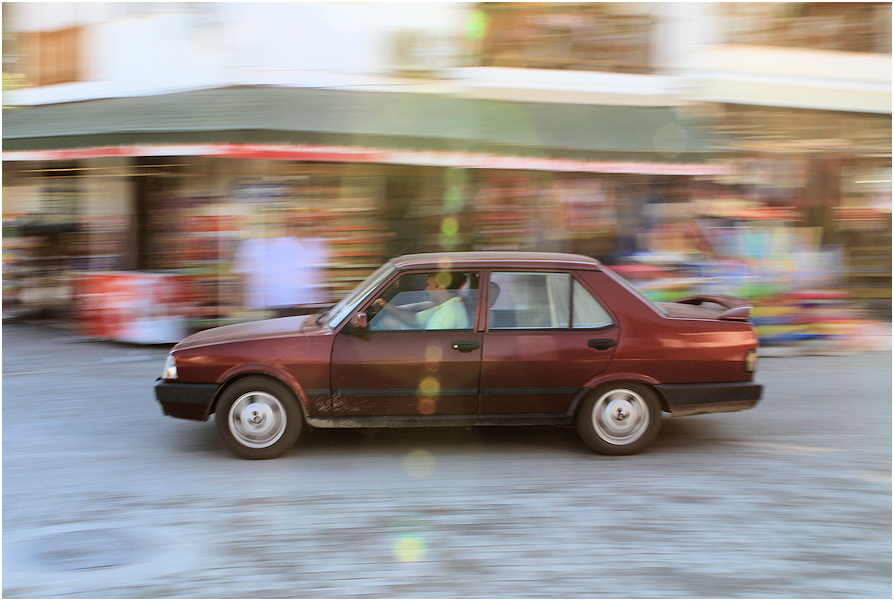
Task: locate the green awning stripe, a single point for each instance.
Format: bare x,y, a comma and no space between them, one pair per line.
274,115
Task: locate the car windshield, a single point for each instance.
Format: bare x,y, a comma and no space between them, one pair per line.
336,314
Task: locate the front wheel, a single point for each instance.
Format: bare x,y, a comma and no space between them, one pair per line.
258,418
619,419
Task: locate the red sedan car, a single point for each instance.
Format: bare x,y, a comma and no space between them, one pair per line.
479,338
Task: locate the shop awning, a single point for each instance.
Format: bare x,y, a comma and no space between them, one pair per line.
361,126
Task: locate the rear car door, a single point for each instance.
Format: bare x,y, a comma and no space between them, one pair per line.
547,335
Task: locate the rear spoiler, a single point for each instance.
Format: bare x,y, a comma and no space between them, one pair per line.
736,309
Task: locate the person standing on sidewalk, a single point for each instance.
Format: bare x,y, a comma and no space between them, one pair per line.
284,269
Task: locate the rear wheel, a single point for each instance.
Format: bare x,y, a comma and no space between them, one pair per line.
620,419
258,418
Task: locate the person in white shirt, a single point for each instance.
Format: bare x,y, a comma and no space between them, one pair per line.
281,272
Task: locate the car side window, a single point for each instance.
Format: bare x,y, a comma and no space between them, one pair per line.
543,301
427,301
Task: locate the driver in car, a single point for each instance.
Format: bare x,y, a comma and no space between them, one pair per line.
448,312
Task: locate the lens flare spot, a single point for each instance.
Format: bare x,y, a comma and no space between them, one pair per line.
409,549
453,200
419,464
476,27
429,387
434,354
448,242
450,226
426,406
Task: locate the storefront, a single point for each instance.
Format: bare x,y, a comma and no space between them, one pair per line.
184,216
373,174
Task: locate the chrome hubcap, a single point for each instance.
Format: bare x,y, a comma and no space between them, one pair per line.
257,419
620,416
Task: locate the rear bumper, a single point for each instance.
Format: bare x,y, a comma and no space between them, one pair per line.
693,399
186,401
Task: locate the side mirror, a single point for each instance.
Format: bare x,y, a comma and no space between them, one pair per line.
359,322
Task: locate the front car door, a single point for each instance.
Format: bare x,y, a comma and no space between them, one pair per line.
547,336
420,355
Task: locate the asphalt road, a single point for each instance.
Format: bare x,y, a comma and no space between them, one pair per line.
105,497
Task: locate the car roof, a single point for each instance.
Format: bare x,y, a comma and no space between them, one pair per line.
496,259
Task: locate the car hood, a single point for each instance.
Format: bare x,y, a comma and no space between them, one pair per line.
267,328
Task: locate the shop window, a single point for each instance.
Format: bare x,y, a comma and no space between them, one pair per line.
53,57
585,37
844,26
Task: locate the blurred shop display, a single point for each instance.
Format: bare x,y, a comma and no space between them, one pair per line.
506,215
195,235
798,285
37,259
812,265
39,250
199,235
104,242
864,225
558,215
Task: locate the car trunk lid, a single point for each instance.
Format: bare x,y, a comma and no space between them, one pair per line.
710,306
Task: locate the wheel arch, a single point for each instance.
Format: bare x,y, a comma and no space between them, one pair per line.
236,375
615,379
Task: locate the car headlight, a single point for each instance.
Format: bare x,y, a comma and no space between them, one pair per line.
170,370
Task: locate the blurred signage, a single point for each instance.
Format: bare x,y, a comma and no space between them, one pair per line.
142,308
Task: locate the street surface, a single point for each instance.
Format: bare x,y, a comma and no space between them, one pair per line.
103,496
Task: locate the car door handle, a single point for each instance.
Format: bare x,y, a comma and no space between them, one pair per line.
602,344
466,346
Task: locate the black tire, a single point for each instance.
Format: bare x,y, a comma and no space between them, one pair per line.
621,418
258,418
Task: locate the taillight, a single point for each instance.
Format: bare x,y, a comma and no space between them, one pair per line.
751,361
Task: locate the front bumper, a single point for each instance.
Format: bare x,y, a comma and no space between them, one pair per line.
693,399
186,401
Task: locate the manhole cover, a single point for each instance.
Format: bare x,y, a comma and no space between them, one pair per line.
87,549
